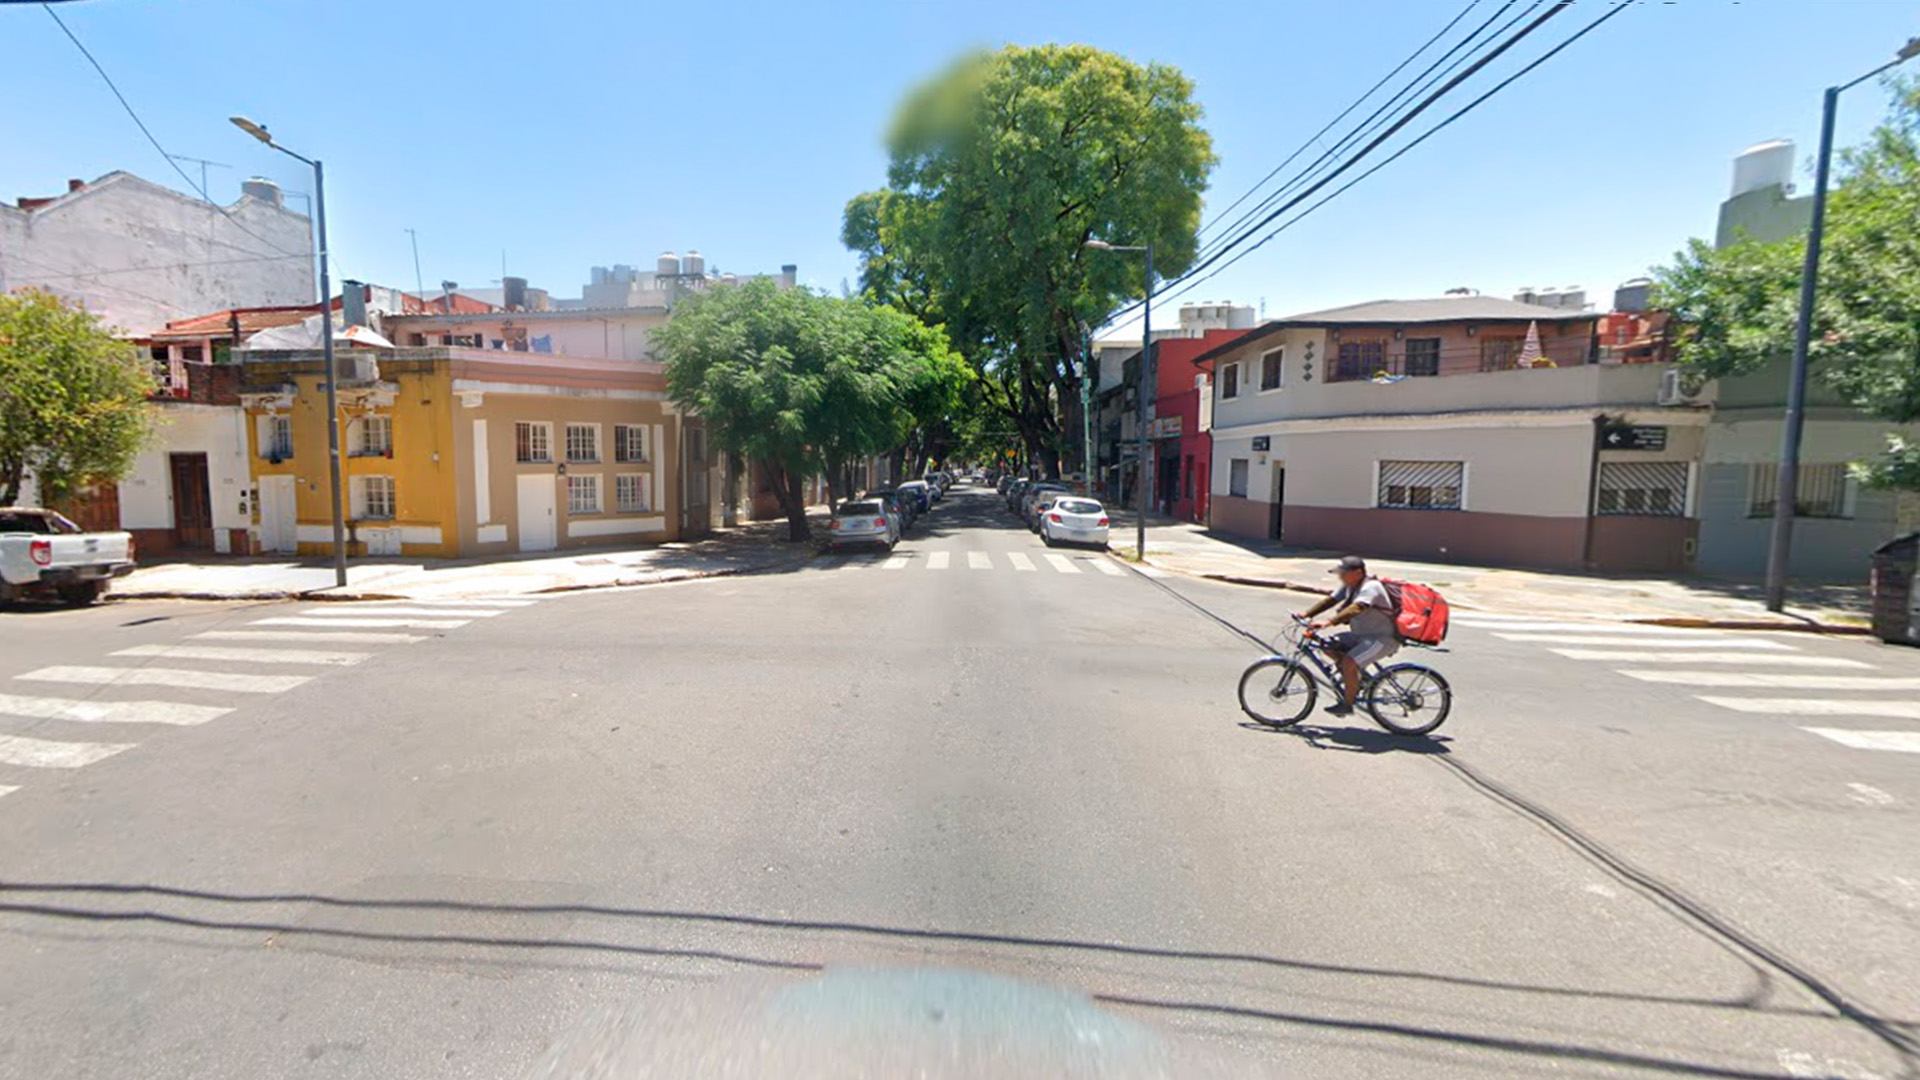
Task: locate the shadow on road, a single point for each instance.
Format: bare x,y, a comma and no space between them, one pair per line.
1356,740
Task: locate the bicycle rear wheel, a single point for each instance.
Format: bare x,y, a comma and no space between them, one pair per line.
1408,699
1277,692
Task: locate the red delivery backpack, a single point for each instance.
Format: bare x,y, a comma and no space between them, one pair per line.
1419,612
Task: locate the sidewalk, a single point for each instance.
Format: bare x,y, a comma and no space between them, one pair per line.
1193,549
756,547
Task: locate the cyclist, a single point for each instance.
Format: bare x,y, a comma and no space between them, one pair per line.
1362,605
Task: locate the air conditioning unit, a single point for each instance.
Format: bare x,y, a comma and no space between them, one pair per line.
1672,391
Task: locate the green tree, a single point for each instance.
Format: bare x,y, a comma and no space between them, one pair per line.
797,383
73,400
1001,169
1739,303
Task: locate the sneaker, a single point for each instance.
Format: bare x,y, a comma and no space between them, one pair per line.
1339,708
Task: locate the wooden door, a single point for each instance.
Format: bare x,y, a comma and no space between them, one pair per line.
192,502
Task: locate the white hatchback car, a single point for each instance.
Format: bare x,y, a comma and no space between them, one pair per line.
1074,520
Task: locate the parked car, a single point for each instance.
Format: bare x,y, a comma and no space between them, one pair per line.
907,507
44,554
1033,495
1075,519
921,490
1014,491
1000,485
935,488
863,522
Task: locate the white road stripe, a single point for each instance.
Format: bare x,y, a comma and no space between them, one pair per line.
979,560
938,560
110,712
1062,563
503,602
1105,565
416,624
255,656
1585,628
364,637
7,790
1151,571
1704,641
1906,742
1901,710
896,562
178,677
1868,795
1770,660
1776,680
47,754
396,609
1020,561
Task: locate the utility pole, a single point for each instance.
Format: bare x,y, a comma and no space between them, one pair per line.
419,284
1143,477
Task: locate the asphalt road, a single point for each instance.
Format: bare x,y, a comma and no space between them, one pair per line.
445,834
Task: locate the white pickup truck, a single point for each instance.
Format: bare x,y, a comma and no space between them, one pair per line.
44,553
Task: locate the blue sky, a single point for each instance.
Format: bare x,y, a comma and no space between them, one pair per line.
603,131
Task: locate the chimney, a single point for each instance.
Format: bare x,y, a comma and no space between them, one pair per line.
513,293
75,185
789,275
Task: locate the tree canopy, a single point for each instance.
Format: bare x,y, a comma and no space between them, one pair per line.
800,383
73,400
1739,303
1001,169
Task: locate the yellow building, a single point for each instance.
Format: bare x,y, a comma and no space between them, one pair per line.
451,451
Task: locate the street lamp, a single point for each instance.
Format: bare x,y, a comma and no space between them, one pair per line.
1146,381
1787,484
326,346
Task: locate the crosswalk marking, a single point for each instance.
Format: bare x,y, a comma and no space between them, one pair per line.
1062,563
183,678
979,560
1151,571
1584,628
416,624
501,602
6,790
1775,680
246,655
1900,710
1703,641
399,609
1105,566
48,754
361,637
1906,742
1020,561
938,560
110,712
896,562
1771,660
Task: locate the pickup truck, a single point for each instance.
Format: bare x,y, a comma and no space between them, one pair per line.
42,553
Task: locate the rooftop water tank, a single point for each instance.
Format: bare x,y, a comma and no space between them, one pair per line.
694,263
262,189
668,264
1769,164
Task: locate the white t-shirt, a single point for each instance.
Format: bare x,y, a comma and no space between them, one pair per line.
1377,619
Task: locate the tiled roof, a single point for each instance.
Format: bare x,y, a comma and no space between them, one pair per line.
220,323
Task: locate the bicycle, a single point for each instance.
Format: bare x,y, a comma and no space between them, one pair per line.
1280,689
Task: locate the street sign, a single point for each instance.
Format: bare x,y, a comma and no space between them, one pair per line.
1262,442
1632,437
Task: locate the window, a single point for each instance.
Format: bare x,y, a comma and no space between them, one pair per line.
1422,485
1358,360
1821,491
583,442
276,438
372,498
1229,380
532,441
697,445
632,493
630,442
372,437
583,494
1500,354
1423,356
1237,477
1642,488
1272,369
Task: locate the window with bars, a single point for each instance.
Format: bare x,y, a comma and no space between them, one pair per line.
1237,477
1423,356
1230,380
583,494
1820,491
1272,369
583,442
372,436
1500,354
632,494
532,441
1641,488
1422,485
372,498
276,441
630,443
1358,360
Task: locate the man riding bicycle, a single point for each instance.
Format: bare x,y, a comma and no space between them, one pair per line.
1362,605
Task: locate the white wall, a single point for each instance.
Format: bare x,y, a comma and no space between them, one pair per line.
172,255
218,431
616,335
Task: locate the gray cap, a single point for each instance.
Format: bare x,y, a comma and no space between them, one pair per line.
1349,562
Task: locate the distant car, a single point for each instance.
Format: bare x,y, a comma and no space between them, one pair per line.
921,490
1000,485
907,507
1014,491
1033,495
1075,519
936,487
863,522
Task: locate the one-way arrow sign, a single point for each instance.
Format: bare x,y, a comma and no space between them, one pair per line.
1630,437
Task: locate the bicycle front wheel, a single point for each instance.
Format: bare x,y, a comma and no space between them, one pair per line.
1408,699
1277,692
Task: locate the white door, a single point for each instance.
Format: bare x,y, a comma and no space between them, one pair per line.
534,494
278,516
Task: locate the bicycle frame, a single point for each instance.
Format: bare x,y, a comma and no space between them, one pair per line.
1313,650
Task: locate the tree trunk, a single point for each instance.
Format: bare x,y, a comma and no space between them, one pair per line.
796,506
12,477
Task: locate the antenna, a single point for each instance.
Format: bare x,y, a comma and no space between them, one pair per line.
203,163
419,286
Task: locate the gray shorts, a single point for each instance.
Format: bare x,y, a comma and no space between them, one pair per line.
1364,650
